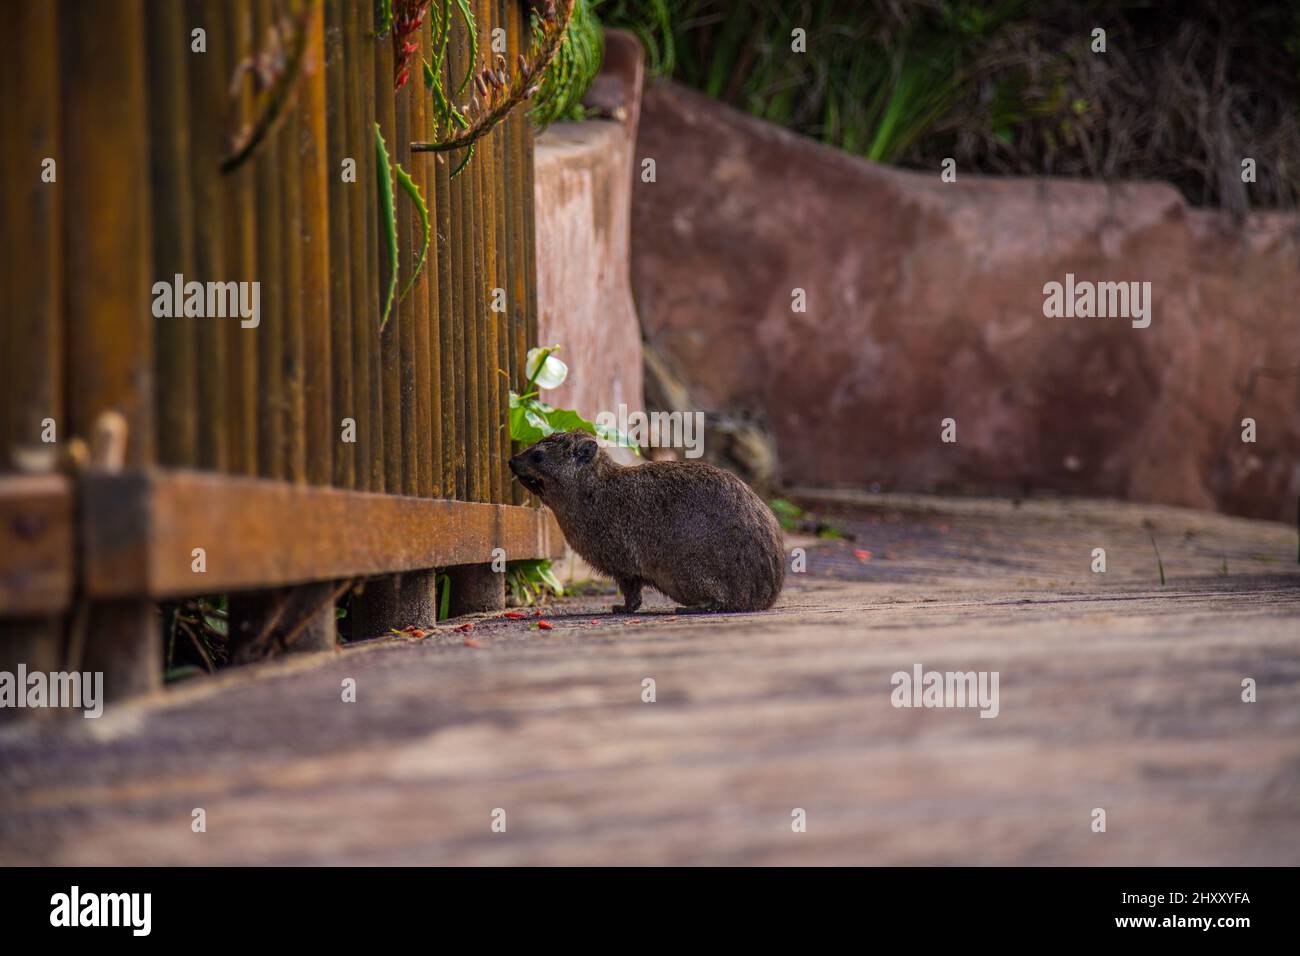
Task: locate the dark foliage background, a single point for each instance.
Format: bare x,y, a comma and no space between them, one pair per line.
1184,91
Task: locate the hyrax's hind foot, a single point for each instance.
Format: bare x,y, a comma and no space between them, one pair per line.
631,597
711,607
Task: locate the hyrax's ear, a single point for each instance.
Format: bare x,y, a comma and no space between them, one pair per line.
585,452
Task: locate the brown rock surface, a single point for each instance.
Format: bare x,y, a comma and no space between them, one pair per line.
925,302
583,176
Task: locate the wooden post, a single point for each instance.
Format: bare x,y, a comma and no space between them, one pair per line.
475,588
393,602
282,621
108,249
34,643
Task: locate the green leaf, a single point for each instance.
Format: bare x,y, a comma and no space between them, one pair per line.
388,219
469,154
468,16
443,583
532,420
784,508
408,186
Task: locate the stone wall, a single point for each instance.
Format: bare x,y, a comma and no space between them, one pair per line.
925,302
583,181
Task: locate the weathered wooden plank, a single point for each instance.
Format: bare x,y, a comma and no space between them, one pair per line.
140,530
37,544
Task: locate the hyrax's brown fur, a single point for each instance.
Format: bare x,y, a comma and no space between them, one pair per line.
685,528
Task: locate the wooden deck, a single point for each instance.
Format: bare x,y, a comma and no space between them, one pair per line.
1115,692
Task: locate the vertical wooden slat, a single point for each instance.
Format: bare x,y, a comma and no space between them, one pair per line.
341,253
480,171
529,230
358,145
168,45
31,298
428,166
241,260
404,308
425,292
501,320
374,248
207,98
107,241
517,41
293,446
320,434
473,301
269,335
32,331
462,277
491,279
391,341
447,364
482,281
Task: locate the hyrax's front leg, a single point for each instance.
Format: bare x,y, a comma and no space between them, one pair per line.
631,588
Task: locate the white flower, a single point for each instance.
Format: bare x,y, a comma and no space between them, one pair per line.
553,372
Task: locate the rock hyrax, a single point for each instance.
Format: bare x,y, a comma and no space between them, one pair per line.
685,528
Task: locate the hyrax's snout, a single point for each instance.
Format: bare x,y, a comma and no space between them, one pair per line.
524,466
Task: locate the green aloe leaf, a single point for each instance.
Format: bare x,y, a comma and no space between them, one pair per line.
408,186
388,219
